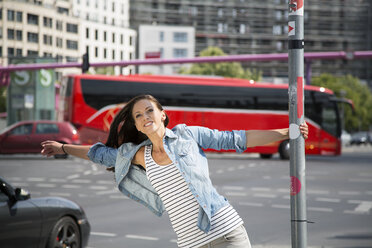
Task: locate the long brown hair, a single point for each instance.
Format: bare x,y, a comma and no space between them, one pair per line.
123,129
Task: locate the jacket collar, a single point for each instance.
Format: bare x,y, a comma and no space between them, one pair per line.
170,134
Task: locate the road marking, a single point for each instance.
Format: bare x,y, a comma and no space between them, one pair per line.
327,199
46,185
267,177
280,206
231,169
98,187
283,190
241,167
219,171
57,180
349,193
233,188
71,186
87,172
94,167
19,184
113,191
106,182
260,189
73,176
131,236
103,234
320,209
360,180
318,192
236,193
35,179
81,181
363,206
264,195
251,204
369,192
59,194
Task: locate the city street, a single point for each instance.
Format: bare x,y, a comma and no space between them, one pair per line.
339,198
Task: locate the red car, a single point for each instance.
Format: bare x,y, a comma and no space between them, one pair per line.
26,136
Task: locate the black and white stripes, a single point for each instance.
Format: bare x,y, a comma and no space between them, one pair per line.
183,208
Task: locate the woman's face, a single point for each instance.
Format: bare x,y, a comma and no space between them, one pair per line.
147,117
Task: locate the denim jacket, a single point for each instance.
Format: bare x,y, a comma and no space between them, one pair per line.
183,145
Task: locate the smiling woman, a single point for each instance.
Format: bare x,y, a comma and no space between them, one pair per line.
167,170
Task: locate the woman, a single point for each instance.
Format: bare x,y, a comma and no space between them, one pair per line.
167,170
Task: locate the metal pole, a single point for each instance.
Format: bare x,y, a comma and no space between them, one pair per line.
296,117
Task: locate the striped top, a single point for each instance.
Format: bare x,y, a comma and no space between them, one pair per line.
182,207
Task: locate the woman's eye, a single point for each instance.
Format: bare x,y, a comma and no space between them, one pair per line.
137,116
150,110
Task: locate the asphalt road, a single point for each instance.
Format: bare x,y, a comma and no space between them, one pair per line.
339,198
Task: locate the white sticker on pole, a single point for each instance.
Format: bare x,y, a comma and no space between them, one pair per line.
291,28
294,131
296,7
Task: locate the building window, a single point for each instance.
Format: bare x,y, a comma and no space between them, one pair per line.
277,30
121,55
96,52
113,37
19,35
59,42
19,52
1,13
121,39
96,35
104,53
71,44
130,40
71,59
62,10
32,53
1,51
113,54
87,33
220,27
113,6
19,16
32,19
48,39
59,25
180,37
161,36
10,15
179,53
47,55
242,28
48,22
72,28
104,36
10,51
32,37
10,34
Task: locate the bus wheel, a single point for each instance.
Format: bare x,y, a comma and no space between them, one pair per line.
265,156
284,150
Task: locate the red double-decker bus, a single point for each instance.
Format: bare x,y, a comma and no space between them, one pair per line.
90,103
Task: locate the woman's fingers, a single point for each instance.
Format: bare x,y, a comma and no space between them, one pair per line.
304,129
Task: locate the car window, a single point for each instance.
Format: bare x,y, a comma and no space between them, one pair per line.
43,128
22,130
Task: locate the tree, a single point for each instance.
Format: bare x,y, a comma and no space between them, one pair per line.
225,69
355,91
2,99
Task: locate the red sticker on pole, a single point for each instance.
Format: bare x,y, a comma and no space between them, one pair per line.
295,185
300,97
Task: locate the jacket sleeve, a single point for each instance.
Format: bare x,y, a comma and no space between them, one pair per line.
218,140
101,154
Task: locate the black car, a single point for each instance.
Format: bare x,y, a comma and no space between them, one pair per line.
40,222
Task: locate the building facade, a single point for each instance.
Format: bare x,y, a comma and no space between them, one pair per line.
105,31
167,42
261,26
66,29
36,30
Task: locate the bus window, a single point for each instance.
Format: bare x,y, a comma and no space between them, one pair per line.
330,119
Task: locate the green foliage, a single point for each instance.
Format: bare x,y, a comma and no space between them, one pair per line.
355,91
225,69
105,70
2,99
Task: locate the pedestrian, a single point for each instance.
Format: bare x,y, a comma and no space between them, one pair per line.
167,170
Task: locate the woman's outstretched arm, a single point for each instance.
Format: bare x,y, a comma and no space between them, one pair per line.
263,137
51,148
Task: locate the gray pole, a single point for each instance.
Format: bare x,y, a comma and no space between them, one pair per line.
296,117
